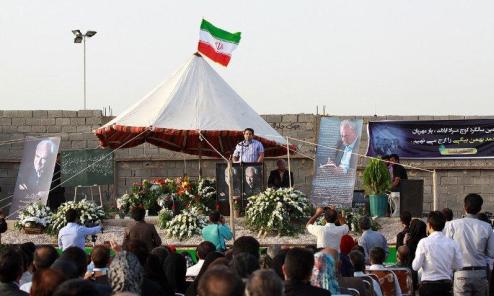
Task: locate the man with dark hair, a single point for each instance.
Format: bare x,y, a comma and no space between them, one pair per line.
74,234
249,150
77,287
398,173
328,235
298,271
377,256
403,257
217,232
220,281
244,264
358,261
44,256
78,257
202,250
10,273
448,214
140,230
405,218
438,256
246,244
279,178
100,256
264,283
370,238
476,242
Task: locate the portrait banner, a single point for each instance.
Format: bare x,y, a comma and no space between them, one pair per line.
336,162
432,139
35,172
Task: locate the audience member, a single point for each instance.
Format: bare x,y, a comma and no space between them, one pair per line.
371,239
377,256
67,268
402,257
10,273
297,270
220,281
78,257
44,256
126,273
76,287
438,256
217,232
405,218
246,244
324,272
418,231
277,264
46,281
27,251
278,178
264,283
328,235
448,214
73,234
202,250
175,269
345,266
140,230
244,264
100,256
210,258
358,261
476,241
155,271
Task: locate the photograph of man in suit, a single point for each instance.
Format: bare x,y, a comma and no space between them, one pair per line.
35,177
345,157
252,184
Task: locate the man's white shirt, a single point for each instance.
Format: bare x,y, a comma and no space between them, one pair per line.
328,235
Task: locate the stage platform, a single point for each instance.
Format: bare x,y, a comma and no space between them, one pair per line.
114,230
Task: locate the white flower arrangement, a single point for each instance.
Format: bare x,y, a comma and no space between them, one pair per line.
127,201
164,216
89,213
280,211
190,222
35,213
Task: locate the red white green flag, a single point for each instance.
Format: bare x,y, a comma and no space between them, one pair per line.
217,44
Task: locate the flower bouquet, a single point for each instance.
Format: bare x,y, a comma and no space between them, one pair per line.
34,218
282,211
190,222
89,213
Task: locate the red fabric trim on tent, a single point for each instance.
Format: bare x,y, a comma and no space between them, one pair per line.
186,141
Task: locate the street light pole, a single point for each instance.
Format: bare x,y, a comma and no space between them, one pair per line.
79,37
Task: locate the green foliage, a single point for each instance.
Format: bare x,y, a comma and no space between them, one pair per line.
376,179
165,215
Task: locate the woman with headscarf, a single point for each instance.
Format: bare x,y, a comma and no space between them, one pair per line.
155,269
210,258
175,270
417,231
126,273
324,272
345,266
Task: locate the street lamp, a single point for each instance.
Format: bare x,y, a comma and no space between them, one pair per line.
79,37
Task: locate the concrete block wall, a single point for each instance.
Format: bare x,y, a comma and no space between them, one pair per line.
455,179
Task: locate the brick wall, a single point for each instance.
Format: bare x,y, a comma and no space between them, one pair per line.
456,178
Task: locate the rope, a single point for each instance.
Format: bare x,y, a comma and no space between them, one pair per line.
211,145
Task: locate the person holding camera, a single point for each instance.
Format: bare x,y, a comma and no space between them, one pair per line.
74,234
217,232
328,235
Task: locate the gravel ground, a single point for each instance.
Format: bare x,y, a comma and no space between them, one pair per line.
114,230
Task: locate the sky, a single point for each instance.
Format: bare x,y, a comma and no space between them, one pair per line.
354,57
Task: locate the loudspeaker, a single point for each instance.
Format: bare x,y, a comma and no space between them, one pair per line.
412,197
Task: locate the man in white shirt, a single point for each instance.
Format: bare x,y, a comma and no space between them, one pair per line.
377,257
202,250
358,262
438,256
74,234
328,235
476,241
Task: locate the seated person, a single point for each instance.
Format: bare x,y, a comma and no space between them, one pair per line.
377,257
402,257
202,250
100,257
358,261
279,178
371,239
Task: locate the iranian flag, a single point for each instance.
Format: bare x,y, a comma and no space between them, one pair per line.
217,44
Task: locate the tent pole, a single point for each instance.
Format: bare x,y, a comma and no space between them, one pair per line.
230,197
435,199
289,165
200,156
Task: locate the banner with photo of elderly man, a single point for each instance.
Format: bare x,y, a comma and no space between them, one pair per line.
336,162
35,172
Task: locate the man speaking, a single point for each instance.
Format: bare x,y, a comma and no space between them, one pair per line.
249,150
